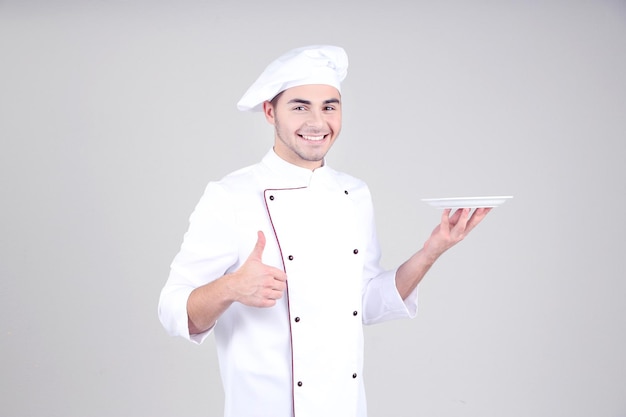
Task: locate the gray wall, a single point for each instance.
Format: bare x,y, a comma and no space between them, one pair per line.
115,114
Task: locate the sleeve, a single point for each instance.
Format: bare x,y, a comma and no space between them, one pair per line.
207,252
381,299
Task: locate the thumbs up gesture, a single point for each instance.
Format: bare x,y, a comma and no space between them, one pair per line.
256,284
253,284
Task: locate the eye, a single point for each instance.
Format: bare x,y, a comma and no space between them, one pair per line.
299,108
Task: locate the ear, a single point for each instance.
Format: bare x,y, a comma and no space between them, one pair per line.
269,112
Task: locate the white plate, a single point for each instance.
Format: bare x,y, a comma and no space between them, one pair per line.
467,202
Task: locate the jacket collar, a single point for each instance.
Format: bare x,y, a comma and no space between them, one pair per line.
293,175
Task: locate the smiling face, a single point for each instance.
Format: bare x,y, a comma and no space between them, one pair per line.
307,120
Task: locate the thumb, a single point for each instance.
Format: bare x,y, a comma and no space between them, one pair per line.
257,252
445,218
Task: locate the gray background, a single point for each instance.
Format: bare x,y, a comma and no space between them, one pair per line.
115,114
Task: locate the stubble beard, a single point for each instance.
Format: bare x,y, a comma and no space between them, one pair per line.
314,156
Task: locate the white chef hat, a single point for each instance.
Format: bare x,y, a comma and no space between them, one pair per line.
316,64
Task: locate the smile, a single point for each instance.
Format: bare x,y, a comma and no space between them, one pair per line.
313,138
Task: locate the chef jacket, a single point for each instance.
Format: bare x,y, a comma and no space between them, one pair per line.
303,357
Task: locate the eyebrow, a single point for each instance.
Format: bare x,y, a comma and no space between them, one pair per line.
307,102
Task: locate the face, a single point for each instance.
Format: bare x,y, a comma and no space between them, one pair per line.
307,120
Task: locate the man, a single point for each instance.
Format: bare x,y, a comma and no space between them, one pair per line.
281,259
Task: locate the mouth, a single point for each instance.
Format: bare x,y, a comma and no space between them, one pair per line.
313,138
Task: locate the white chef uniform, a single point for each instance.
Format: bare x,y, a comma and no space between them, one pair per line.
304,356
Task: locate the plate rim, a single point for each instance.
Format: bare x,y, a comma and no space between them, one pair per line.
495,197
467,202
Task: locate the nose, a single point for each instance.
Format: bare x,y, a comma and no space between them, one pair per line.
315,119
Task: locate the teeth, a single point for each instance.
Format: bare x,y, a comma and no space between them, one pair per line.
313,137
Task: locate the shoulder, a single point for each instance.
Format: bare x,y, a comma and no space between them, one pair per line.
240,188
243,179
240,175
227,196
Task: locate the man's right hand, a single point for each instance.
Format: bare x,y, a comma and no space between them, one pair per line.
254,283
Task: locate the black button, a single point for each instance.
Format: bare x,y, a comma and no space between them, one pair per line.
346,192
299,383
354,375
272,197
290,257
354,313
297,319
356,251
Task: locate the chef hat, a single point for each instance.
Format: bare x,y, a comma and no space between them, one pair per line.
317,64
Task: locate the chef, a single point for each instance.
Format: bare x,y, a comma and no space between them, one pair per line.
281,260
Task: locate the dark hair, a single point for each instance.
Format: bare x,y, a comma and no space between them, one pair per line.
276,97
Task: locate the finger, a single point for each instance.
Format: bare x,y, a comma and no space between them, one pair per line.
454,219
265,303
460,217
273,293
465,216
279,274
445,218
257,252
477,217
277,294
459,229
